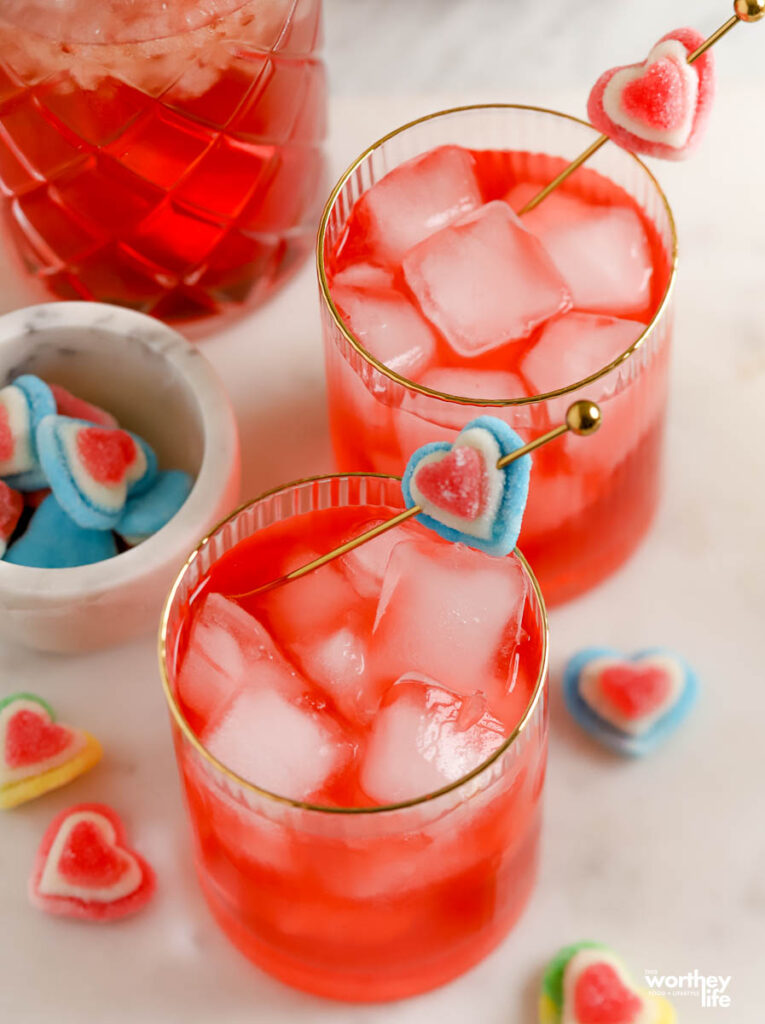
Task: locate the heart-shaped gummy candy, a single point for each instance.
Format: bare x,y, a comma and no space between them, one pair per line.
107,454
601,997
635,690
457,483
660,106
85,869
464,494
31,737
89,859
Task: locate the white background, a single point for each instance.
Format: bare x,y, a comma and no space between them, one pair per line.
664,859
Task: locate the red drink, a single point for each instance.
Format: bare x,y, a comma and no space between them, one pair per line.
166,160
446,306
350,697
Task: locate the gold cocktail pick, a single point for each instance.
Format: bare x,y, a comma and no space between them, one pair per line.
745,10
582,418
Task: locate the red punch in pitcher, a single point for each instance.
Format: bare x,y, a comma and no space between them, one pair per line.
162,157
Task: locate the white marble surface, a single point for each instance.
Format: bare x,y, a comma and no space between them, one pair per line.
665,859
515,50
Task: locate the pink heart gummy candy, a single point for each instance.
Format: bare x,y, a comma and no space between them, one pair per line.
93,470
601,997
458,483
37,753
85,869
30,738
635,690
106,454
660,106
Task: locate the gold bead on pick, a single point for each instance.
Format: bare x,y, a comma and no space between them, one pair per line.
749,10
583,418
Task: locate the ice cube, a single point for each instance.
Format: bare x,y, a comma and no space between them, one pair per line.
363,275
224,646
311,606
423,738
575,346
337,663
366,564
389,327
471,383
485,280
272,742
449,612
415,431
601,251
572,348
417,198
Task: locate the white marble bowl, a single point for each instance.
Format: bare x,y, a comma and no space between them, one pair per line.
159,386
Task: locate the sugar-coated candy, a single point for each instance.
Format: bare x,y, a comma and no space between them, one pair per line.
80,474
54,541
68,404
85,869
37,753
92,469
660,106
463,495
629,704
147,513
586,983
23,404
11,507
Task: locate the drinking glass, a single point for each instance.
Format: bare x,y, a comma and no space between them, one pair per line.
360,903
591,500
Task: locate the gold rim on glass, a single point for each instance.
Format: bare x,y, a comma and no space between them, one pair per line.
461,399
203,752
